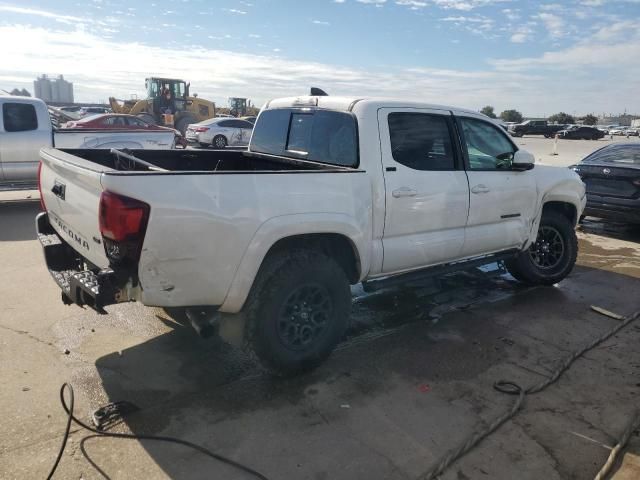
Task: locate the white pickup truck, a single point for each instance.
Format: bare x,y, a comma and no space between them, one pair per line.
331,192
25,127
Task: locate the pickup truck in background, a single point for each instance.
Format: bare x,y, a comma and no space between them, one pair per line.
535,127
332,191
25,127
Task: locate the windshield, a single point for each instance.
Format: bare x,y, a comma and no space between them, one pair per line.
621,154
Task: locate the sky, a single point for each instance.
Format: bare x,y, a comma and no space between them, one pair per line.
539,57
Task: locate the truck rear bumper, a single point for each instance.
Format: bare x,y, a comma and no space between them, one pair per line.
95,289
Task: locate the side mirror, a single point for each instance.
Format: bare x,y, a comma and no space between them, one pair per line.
522,160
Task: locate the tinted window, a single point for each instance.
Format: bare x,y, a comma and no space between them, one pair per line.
19,117
226,123
319,135
300,132
487,146
136,122
623,154
421,141
115,121
239,124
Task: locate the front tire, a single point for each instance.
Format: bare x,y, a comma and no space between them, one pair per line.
551,257
219,142
297,312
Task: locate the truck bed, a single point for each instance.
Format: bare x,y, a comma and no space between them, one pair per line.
200,161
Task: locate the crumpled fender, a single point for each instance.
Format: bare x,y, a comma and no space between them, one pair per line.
285,226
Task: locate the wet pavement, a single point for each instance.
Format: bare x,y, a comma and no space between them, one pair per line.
412,378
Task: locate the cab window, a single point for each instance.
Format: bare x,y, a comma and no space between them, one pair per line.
312,134
487,147
19,117
421,141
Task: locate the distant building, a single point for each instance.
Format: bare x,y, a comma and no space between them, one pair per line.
20,92
623,120
53,90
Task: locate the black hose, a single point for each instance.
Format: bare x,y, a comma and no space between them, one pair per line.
128,436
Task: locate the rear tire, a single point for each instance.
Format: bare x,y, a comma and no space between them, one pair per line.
551,257
297,312
219,142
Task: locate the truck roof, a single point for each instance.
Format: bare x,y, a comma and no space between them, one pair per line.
348,103
21,99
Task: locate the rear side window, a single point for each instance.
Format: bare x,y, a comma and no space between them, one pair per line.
421,141
19,117
320,135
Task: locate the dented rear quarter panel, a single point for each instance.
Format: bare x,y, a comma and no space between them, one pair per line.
206,229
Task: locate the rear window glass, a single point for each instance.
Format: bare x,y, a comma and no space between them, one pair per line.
320,135
19,117
624,154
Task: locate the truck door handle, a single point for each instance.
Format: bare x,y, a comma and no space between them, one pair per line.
480,189
404,192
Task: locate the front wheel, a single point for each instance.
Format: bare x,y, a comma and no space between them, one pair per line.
297,312
551,257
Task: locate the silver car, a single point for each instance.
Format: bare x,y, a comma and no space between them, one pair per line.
220,132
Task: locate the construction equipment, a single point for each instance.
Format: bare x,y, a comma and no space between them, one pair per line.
168,103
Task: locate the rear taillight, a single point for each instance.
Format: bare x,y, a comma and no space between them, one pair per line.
42,205
123,223
201,129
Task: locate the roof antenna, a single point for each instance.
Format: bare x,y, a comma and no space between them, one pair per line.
318,92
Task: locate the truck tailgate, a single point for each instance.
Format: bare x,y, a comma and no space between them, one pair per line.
71,191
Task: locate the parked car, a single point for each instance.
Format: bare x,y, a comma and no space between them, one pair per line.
220,132
534,127
331,191
119,121
581,132
88,111
25,127
612,178
114,121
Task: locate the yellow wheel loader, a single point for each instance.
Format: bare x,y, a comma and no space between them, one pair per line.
168,103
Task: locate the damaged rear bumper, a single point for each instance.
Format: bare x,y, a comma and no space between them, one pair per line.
95,288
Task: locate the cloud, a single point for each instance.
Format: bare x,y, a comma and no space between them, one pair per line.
372,2
412,4
41,13
234,10
522,34
554,24
465,5
567,78
320,22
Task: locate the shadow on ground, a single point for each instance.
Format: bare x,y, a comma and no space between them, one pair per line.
17,220
620,231
399,348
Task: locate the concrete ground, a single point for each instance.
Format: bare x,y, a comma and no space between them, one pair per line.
412,379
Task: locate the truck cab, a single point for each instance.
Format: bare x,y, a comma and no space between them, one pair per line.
25,127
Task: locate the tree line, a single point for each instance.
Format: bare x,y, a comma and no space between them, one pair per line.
516,116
